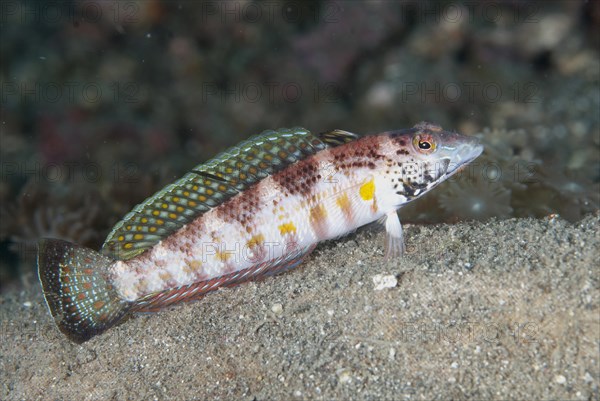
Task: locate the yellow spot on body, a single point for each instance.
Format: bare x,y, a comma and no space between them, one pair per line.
243,176
128,245
222,188
256,240
268,158
195,187
194,266
138,237
172,216
223,256
144,220
155,212
164,206
121,238
180,209
186,193
239,164
287,228
160,222
152,229
138,228
175,199
229,170
207,182
128,228
367,190
192,204
262,165
209,191
252,170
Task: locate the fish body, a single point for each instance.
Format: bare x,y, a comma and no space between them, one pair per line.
255,210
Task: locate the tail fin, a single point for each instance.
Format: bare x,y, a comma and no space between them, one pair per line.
74,280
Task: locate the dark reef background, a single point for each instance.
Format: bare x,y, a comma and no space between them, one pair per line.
105,102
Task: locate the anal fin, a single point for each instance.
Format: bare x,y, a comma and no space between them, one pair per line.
154,302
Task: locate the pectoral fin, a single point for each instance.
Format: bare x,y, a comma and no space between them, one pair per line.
394,239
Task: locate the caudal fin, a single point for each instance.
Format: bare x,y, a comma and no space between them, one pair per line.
74,279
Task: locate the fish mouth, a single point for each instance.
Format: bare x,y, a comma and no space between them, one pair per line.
462,155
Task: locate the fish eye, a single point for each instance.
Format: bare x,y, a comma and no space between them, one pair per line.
424,144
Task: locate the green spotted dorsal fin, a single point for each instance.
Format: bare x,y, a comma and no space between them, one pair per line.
210,184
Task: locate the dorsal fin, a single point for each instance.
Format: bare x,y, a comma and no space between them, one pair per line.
210,184
337,137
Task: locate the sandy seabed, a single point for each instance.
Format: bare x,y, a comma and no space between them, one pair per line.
499,310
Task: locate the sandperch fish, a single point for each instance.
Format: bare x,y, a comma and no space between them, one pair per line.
254,210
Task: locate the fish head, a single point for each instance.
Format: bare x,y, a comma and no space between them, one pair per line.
424,156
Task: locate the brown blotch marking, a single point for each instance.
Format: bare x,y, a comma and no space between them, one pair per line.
165,276
80,296
363,152
87,285
98,305
299,179
88,271
343,201
318,220
241,208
